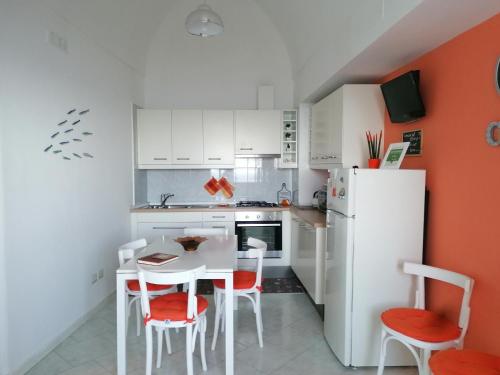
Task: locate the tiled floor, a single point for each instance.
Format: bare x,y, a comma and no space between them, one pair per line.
293,345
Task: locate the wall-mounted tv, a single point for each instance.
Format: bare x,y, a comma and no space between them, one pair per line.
402,97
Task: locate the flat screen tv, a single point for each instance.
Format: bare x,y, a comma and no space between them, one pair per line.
402,97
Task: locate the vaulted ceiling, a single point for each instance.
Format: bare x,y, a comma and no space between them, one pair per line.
325,39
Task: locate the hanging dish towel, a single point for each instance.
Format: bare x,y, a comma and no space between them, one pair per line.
226,187
212,186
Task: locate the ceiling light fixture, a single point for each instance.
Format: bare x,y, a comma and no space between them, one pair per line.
204,22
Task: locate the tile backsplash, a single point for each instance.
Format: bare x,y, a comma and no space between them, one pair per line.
253,179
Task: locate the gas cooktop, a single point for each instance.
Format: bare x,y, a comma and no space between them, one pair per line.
255,204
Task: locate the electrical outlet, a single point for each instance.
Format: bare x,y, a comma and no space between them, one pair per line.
94,278
101,273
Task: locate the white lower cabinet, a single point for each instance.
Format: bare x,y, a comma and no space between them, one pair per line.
156,224
229,225
308,257
151,230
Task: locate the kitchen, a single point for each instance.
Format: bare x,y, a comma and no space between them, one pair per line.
177,131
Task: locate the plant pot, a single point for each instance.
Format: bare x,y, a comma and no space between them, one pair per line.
373,163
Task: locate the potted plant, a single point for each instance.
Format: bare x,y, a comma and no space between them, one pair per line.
374,141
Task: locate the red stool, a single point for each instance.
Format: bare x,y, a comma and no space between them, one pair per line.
464,362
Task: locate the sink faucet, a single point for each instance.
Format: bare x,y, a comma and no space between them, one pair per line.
164,197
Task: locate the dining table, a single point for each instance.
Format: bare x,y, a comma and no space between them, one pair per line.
217,253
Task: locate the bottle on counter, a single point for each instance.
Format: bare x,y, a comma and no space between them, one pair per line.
284,196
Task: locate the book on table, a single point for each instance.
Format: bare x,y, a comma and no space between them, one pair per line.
157,259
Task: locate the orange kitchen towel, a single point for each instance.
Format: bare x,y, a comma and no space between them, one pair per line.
226,187
212,186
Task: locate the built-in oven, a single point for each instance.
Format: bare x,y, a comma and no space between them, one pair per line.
263,225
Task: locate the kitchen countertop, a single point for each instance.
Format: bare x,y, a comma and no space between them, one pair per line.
207,209
308,214
311,216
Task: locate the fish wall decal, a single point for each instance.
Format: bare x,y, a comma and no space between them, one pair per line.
69,142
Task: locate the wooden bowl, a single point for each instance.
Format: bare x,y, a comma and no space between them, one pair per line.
190,243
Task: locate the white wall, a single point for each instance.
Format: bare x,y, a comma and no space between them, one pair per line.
185,71
322,36
63,219
3,280
4,334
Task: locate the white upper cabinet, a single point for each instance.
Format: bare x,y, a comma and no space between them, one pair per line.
258,132
218,137
154,137
187,137
326,130
339,123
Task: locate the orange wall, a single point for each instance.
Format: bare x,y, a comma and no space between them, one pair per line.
463,173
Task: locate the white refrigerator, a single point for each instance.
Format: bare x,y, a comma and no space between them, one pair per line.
375,222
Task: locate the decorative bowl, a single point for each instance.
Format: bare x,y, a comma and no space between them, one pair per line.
190,243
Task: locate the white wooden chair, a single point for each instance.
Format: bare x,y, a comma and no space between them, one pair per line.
125,253
423,331
206,231
246,284
174,310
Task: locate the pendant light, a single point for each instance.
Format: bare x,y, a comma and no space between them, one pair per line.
204,22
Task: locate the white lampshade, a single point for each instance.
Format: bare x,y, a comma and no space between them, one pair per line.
204,22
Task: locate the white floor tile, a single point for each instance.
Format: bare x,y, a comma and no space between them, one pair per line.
51,364
293,345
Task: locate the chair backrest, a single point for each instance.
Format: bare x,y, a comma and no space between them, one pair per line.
170,278
206,231
464,282
127,251
257,252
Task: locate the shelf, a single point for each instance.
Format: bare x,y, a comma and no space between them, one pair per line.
289,125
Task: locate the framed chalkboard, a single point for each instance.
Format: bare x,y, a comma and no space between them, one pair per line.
415,139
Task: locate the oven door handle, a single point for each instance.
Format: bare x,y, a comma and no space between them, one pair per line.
258,225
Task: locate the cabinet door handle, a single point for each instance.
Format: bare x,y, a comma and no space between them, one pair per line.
219,226
169,227
183,158
246,148
218,217
214,158
159,158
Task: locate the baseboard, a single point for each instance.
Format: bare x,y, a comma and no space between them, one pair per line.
28,364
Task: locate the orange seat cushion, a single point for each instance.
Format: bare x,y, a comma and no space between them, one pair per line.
133,285
173,306
241,280
464,362
421,325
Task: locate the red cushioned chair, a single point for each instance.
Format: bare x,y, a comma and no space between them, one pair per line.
125,253
173,310
423,331
464,362
245,284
